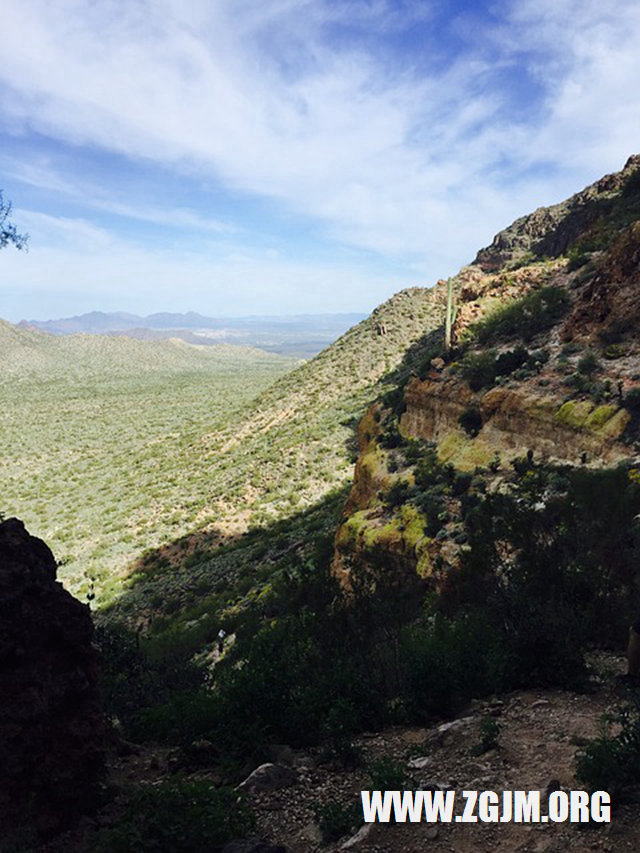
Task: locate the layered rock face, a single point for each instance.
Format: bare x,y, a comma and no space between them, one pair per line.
572,401
51,727
512,421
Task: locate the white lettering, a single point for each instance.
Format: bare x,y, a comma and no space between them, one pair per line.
488,811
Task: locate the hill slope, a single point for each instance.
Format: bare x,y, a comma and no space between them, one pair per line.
31,355
99,432
283,456
546,369
129,444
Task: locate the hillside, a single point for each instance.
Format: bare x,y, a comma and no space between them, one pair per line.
130,444
98,433
300,336
287,453
29,355
453,616
545,367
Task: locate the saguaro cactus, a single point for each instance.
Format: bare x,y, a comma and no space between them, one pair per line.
450,317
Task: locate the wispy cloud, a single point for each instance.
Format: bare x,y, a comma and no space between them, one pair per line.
71,257
419,152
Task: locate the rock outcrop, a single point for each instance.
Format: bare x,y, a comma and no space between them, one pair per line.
551,231
571,400
51,727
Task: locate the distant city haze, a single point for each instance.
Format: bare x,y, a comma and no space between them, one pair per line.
301,335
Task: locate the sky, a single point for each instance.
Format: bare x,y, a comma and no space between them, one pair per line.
239,157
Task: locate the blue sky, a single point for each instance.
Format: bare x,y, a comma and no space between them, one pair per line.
285,156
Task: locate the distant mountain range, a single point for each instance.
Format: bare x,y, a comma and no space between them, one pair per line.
300,335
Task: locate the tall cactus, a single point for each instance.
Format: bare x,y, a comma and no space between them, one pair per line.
450,317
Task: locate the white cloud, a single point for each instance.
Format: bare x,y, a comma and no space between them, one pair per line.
418,164
92,268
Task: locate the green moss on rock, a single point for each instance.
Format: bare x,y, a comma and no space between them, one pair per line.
574,413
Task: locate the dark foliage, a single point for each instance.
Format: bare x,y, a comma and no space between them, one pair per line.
8,232
184,817
471,421
525,318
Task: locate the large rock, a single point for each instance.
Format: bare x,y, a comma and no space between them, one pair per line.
51,727
269,777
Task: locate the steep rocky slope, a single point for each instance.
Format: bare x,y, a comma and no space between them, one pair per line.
544,367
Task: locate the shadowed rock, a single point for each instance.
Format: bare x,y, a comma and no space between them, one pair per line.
51,726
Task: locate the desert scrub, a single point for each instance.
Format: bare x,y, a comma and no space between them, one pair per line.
612,762
482,369
471,421
184,817
524,318
335,819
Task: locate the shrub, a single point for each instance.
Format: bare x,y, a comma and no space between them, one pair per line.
489,735
509,361
612,763
632,400
471,421
132,681
632,184
336,820
479,369
588,364
526,317
577,258
398,493
184,817
387,774
449,661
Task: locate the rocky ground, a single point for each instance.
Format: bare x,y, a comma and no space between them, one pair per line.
540,733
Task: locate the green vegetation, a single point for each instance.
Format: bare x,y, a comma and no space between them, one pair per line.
524,318
9,234
471,421
185,817
336,820
386,774
117,447
611,762
546,568
482,369
106,457
489,736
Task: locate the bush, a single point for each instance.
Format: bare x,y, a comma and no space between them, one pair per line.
479,369
588,364
534,313
577,258
612,763
450,661
133,681
387,774
336,820
509,361
184,817
632,400
471,421
489,736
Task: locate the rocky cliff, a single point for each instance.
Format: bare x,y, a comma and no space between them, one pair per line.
544,370
51,727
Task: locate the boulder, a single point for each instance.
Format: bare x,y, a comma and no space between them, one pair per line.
51,725
269,777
